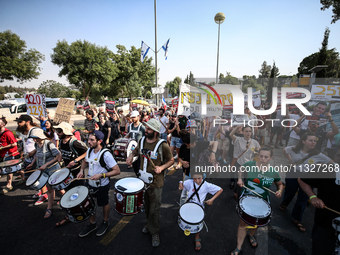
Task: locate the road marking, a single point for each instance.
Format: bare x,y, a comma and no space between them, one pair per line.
115,230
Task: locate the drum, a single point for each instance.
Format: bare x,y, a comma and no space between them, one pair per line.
129,193
60,179
336,224
123,148
78,204
254,210
37,180
10,166
190,218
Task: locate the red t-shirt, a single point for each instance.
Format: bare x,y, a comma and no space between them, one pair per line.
7,138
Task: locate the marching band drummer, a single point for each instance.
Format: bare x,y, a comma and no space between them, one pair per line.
101,165
260,175
72,153
46,159
153,195
198,190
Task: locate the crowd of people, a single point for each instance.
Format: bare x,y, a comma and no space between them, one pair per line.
164,140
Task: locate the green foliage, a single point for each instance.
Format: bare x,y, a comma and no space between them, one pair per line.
54,89
335,4
148,95
132,74
274,73
173,86
228,79
190,79
251,81
16,62
85,64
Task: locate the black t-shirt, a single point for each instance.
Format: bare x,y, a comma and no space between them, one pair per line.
175,133
104,127
191,155
69,155
114,128
329,193
321,137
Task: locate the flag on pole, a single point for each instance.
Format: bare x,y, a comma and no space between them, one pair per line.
145,49
164,103
165,48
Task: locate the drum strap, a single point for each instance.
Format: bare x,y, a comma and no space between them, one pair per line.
196,192
134,132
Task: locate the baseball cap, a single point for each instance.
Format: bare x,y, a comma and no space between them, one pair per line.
24,117
99,134
134,114
154,124
66,127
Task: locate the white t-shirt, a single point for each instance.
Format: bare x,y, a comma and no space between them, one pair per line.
165,121
240,145
97,168
28,145
202,193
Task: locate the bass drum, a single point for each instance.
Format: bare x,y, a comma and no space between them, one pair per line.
254,210
78,204
123,147
60,179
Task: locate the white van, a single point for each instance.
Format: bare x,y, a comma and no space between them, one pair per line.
18,105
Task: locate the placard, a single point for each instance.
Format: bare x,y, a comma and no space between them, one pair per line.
36,105
133,107
64,110
86,104
175,103
110,106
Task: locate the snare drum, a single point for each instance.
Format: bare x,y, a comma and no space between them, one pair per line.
254,210
129,193
336,224
78,204
123,148
60,179
190,217
10,166
37,180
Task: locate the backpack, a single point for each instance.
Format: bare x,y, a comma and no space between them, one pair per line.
82,136
72,140
101,159
159,149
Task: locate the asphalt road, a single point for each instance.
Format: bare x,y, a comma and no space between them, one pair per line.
24,231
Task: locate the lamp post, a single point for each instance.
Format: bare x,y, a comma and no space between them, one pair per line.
219,19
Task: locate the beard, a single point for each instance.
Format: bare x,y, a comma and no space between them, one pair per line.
22,129
150,135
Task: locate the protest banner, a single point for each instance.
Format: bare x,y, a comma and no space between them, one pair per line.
64,110
36,105
110,106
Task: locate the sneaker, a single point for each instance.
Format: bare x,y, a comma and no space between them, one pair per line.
102,229
37,194
41,199
155,240
176,156
145,229
88,229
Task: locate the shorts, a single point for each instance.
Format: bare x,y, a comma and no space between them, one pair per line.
261,132
277,130
175,141
101,193
223,144
164,136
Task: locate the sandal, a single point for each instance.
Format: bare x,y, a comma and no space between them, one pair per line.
48,213
253,241
236,250
6,190
178,166
299,225
283,207
63,222
197,245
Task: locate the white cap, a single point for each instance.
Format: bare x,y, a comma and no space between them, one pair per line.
134,114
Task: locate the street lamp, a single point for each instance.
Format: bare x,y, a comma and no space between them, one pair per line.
219,19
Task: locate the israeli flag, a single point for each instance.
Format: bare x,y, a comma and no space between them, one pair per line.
165,47
145,49
163,100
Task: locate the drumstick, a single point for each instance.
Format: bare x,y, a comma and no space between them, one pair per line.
78,179
332,210
252,191
269,190
151,161
31,171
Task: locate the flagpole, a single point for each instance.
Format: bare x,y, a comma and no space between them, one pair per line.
156,75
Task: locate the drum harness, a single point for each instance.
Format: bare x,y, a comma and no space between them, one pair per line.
93,183
44,154
143,174
134,132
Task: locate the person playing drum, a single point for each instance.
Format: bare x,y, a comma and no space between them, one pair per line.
260,175
72,153
203,188
161,160
101,165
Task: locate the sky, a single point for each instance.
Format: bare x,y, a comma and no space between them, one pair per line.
284,31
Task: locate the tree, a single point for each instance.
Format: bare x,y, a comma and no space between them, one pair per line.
132,74
228,79
273,74
323,57
190,79
335,8
54,89
16,62
84,64
174,86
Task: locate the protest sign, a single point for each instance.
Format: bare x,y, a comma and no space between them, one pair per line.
36,105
